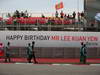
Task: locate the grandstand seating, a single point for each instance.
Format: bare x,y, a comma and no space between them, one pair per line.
67,22
26,21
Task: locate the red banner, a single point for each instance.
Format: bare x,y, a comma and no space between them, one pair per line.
59,6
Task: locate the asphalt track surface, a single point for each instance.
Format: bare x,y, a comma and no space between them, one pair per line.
52,60
46,69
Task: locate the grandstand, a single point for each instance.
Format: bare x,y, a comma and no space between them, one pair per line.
51,23
40,23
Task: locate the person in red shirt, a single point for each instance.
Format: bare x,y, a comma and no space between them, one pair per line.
1,49
61,14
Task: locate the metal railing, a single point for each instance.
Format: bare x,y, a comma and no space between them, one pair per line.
45,25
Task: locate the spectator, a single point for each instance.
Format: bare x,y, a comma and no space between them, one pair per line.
26,14
61,14
17,14
82,14
22,14
8,15
68,16
79,16
74,15
65,17
43,16
56,14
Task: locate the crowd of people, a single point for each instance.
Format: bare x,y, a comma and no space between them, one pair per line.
59,17
65,16
69,16
25,14
18,14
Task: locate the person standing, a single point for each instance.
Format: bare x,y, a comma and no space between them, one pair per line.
29,53
56,14
1,50
61,14
7,52
83,53
74,15
33,43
